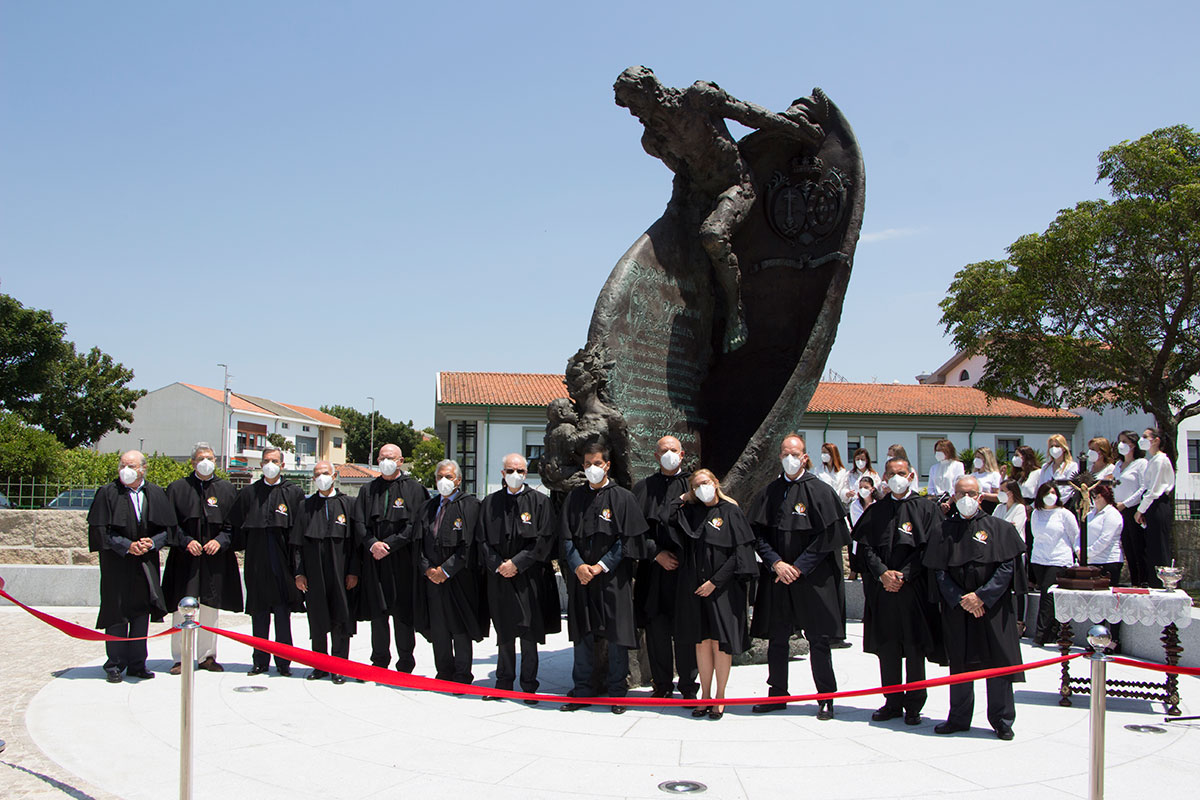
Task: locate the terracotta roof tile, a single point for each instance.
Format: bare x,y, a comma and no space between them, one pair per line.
235,402
356,471
500,388
922,400
319,416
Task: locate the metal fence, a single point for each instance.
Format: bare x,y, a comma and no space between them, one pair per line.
26,493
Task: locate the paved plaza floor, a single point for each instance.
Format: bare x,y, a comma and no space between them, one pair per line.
72,735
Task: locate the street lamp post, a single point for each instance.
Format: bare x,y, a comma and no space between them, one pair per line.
371,454
225,420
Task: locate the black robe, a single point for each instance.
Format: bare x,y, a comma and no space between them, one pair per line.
262,519
654,587
715,543
327,547
594,521
986,555
129,585
892,535
804,523
524,528
455,606
389,511
203,510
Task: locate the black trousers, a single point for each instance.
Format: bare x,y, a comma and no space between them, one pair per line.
819,656
341,644
1159,518
506,664
584,667
668,656
1047,626
1000,706
452,657
260,626
381,643
129,656
890,665
1133,545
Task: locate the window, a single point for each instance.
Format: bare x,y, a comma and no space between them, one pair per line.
465,450
283,425
1006,448
304,428
866,441
925,457
337,441
306,445
1193,450
964,376
534,438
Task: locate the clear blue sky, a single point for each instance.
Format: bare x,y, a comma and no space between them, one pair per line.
282,186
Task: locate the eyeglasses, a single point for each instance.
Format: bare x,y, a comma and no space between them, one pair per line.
511,470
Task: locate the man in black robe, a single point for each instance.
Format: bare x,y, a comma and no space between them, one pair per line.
516,534
655,585
450,611
388,506
800,529
264,514
979,564
202,563
128,524
327,548
901,624
603,533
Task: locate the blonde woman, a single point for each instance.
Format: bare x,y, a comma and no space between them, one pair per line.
987,472
1060,468
716,563
1100,458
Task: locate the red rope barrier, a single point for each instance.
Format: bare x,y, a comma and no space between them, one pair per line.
73,630
1174,670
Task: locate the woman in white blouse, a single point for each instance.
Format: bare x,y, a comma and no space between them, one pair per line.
1104,524
987,472
1156,511
945,471
1027,470
832,471
1010,507
1055,543
1128,478
1060,466
860,469
1100,458
864,495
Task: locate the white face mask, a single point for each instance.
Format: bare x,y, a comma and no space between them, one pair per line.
1050,500
978,464
205,467
939,456
1002,498
705,492
128,475
324,482
898,484
1124,448
864,492
791,464
1093,456
670,460
388,467
270,470
861,463
1017,461
1056,452
967,506
514,480
826,458
595,474
445,486
1144,443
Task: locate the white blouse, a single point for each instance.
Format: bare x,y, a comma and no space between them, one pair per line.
835,480
1104,536
989,482
1068,470
1159,480
852,479
856,511
1055,537
1017,515
1104,472
1127,482
942,476
1029,485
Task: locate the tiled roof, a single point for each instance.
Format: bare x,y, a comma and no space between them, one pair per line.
499,388
922,400
263,406
235,402
356,471
319,416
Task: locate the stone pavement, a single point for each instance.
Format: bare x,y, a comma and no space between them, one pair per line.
75,736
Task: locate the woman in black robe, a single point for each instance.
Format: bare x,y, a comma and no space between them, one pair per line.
716,546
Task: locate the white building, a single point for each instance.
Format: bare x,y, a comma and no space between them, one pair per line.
172,419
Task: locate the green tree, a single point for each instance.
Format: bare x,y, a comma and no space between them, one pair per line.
1103,308
424,459
26,452
31,343
278,440
357,426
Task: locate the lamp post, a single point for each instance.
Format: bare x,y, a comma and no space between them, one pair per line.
225,420
371,454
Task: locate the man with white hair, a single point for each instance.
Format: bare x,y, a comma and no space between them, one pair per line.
202,563
128,524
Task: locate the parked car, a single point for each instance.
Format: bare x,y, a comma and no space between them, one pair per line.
73,498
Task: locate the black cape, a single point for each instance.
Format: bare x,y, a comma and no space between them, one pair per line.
524,528
129,585
203,509
804,523
594,520
715,544
327,547
969,553
455,606
892,535
654,588
262,519
389,510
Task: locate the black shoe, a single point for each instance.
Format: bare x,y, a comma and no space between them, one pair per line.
339,679
700,711
489,698
256,670
571,706
839,644
714,714
912,717
885,713
767,708
530,702
688,697
1004,732
317,674
285,672
210,665
112,675
950,727
661,693
618,709
142,673
1036,642
825,710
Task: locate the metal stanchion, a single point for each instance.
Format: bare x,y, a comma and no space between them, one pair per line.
1100,639
188,606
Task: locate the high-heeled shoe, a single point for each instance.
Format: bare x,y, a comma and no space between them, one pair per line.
700,711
